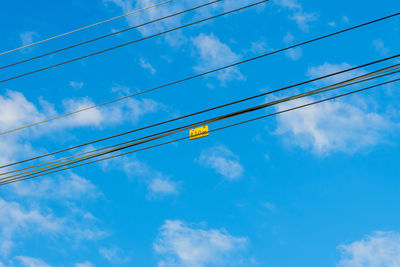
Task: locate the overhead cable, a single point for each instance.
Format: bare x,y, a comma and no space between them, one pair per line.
132,42
209,121
186,138
83,28
202,74
109,35
214,108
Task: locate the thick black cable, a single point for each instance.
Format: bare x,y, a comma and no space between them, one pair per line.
109,35
200,112
135,41
218,129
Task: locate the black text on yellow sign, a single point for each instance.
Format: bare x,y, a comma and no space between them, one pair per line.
199,132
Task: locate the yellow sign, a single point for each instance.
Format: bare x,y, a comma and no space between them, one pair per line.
199,132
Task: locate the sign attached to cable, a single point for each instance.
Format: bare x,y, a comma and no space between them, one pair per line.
199,132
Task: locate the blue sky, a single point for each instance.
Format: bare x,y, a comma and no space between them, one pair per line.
315,187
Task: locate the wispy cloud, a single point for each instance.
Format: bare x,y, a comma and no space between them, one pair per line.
211,53
84,264
147,66
222,160
294,53
32,262
376,250
64,186
28,38
114,255
16,220
178,38
328,68
76,85
331,126
182,244
301,17
158,184
380,47
161,187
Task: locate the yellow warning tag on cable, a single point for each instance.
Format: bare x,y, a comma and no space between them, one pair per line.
199,132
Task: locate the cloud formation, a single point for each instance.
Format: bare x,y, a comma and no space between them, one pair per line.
182,244
298,15
331,126
222,160
376,250
211,53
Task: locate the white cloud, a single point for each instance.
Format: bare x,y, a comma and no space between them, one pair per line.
181,244
87,118
381,249
32,262
294,53
16,110
27,38
222,160
76,85
328,68
259,47
332,24
331,126
84,264
302,18
288,38
212,54
147,66
114,255
158,184
380,47
65,186
163,187
15,220
18,222
176,38
30,217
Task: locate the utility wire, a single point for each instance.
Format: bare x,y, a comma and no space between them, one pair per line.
139,141
108,35
202,74
346,83
213,120
207,110
132,42
83,28
185,138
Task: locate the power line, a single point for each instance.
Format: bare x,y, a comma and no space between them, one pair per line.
67,160
185,138
108,35
202,74
86,27
132,42
211,109
153,137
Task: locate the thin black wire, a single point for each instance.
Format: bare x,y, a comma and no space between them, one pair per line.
218,129
209,121
200,112
135,41
108,35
